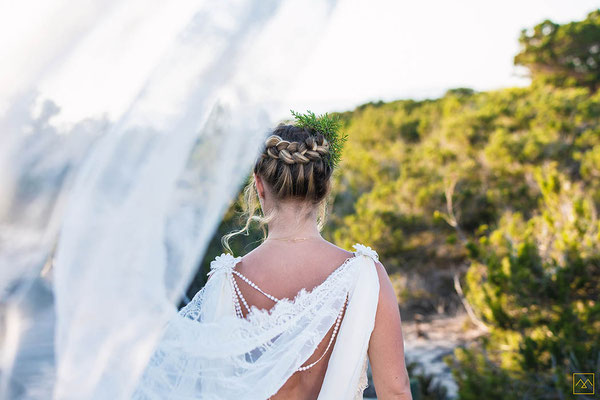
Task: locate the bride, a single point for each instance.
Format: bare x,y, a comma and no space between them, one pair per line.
297,317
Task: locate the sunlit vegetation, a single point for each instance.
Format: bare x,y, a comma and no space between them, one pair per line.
500,189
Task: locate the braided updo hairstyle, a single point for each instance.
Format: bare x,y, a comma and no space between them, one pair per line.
294,165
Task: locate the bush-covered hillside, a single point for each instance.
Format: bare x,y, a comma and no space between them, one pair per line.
501,189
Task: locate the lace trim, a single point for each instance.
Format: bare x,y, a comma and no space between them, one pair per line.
237,296
262,325
225,263
285,313
259,315
364,380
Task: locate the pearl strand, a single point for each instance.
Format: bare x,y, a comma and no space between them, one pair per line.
239,293
236,302
249,282
335,330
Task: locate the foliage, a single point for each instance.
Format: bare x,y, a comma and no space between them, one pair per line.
504,183
563,54
327,126
425,385
536,283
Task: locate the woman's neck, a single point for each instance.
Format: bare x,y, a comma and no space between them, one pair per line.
292,223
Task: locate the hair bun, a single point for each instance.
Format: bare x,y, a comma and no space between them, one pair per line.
292,152
295,163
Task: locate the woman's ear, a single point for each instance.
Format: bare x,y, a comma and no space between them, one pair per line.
260,188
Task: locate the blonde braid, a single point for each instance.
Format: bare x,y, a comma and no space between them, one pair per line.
296,152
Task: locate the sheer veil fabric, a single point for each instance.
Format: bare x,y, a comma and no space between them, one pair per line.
127,128
207,352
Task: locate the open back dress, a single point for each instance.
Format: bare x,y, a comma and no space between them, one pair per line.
211,350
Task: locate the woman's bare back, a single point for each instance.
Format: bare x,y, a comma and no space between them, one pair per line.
282,269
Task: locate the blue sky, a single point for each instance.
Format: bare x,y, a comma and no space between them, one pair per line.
416,49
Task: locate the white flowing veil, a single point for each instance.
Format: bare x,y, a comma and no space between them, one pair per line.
105,219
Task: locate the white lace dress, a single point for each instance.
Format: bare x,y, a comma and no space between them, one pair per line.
209,351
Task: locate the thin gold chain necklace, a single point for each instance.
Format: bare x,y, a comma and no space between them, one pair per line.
295,240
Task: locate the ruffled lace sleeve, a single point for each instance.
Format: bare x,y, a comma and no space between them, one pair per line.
366,251
223,263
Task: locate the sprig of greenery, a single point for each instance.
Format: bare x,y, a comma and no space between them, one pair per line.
327,126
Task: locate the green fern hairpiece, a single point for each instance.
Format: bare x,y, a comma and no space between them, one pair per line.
327,126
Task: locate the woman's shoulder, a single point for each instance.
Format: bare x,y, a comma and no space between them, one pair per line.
361,249
333,251
382,274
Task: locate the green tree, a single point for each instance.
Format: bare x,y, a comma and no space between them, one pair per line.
563,54
536,283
